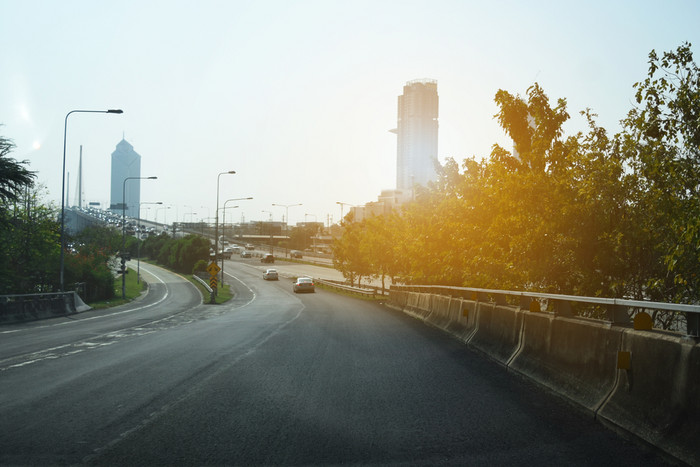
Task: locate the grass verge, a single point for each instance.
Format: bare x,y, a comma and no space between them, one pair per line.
223,292
132,287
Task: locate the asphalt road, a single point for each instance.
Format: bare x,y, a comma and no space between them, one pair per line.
274,378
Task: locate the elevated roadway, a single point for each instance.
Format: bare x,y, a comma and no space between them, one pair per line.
274,378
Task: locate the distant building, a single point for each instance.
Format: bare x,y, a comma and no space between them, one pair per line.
417,134
386,202
125,163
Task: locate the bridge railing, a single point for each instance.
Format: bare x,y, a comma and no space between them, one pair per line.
671,316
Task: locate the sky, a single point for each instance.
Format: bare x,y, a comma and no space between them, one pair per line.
297,96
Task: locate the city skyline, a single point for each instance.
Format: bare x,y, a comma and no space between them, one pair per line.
297,97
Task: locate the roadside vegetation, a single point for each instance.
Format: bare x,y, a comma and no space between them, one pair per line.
133,289
586,214
590,214
30,238
223,295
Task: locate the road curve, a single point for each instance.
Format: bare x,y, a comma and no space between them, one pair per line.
276,378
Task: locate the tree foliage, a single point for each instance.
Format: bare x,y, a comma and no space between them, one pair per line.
14,176
586,214
29,257
179,254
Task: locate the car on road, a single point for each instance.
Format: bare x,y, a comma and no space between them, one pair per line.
303,284
295,254
249,246
246,254
268,258
271,275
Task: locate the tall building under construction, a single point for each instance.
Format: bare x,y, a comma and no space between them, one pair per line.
417,134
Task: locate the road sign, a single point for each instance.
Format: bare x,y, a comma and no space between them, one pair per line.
213,268
213,282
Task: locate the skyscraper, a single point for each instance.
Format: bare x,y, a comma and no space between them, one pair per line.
125,163
417,134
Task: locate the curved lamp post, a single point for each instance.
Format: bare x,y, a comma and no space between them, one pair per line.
63,181
341,208
286,221
272,248
315,233
138,248
165,219
124,228
216,218
223,229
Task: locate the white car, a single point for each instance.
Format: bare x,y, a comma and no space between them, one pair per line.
270,275
303,284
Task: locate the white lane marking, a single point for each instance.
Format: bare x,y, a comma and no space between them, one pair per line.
154,415
80,346
117,313
255,296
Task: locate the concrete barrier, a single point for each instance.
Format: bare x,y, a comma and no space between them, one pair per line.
439,315
461,318
575,358
498,331
643,382
418,304
20,308
658,397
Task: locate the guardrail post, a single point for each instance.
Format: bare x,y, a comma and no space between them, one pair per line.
500,299
562,308
525,302
617,314
693,324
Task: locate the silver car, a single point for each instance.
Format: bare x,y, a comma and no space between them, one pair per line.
303,284
270,275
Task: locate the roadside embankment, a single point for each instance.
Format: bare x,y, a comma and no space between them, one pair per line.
643,382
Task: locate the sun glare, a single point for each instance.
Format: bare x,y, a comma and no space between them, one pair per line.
36,145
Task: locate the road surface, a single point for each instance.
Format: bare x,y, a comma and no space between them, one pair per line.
274,378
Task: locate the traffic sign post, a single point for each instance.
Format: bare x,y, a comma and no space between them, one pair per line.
213,269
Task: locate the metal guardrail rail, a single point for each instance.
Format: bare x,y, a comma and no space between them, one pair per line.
368,292
616,308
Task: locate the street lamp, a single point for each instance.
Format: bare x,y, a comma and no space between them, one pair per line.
286,206
315,233
224,228
165,218
63,181
124,228
341,208
138,244
216,216
272,248
192,213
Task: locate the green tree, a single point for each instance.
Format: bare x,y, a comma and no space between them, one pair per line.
29,257
348,256
661,143
14,176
